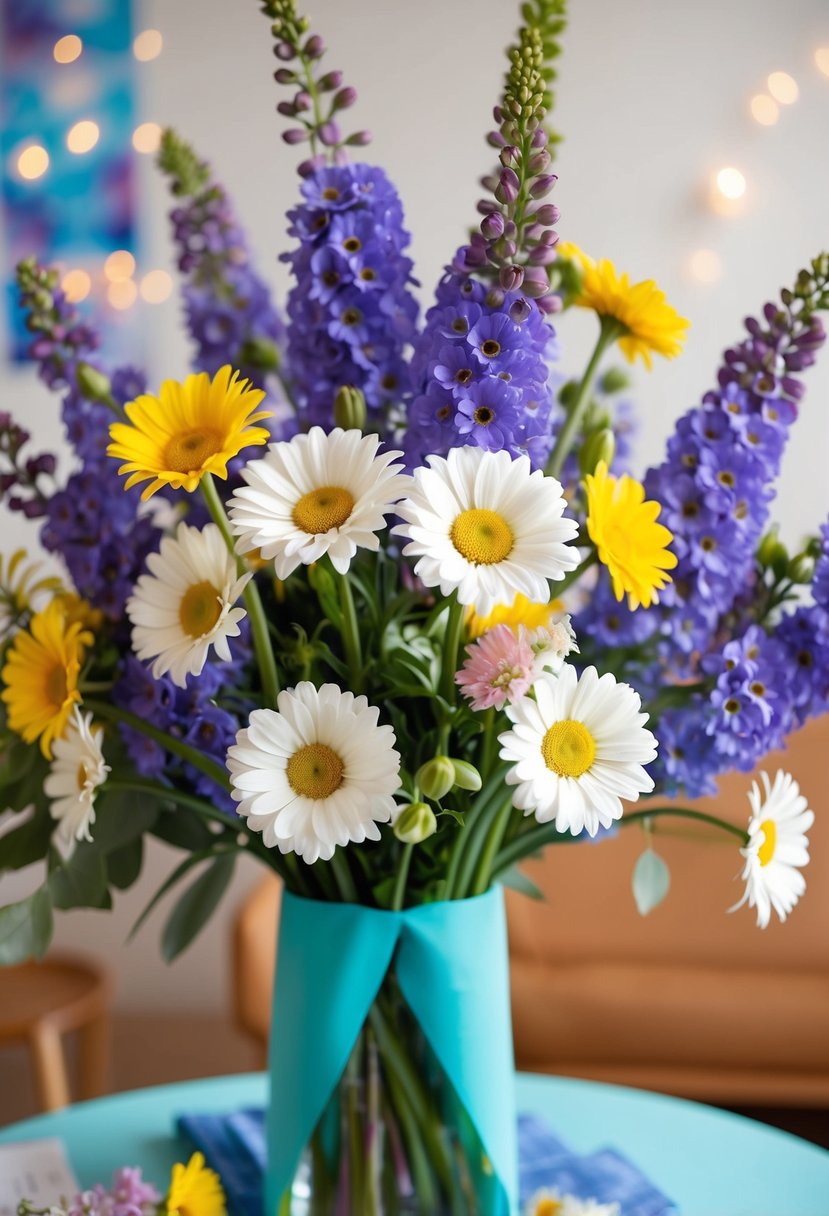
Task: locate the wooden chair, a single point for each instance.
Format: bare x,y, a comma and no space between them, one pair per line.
41,1002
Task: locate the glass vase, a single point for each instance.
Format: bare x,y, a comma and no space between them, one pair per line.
394,1139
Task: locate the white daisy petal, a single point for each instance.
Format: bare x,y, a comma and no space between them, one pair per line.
77,770
185,604
317,773
577,750
777,846
318,493
484,525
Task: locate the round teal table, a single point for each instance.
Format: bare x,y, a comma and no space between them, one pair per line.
709,1162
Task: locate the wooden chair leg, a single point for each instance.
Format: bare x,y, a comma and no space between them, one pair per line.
49,1066
94,1070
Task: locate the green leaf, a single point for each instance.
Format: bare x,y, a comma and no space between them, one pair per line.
196,906
168,884
184,829
124,864
651,881
120,817
80,882
28,842
26,928
517,880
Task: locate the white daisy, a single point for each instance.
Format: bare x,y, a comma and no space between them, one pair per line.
317,774
578,749
185,604
485,524
318,493
777,846
77,770
551,1202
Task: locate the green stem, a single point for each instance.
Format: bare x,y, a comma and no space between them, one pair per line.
682,812
351,633
102,709
460,861
345,881
488,744
609,330
492,843
253,602
451,645
399,897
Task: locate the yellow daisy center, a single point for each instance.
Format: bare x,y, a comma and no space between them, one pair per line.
483,537
568,748
548,1207
55,685
323,509
190,450
315,771
200,609
766,851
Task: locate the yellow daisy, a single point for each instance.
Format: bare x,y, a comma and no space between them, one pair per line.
41,676
188,430
195,1190
651,324
520,612
622,525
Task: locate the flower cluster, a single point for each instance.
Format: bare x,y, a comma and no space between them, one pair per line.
724,457
228,307
351,312
481,374
194,1188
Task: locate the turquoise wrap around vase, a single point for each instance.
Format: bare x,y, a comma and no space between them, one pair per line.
391,1061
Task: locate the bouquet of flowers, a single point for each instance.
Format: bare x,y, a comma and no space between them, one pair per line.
305,612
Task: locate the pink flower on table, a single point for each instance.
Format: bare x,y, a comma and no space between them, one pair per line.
499,669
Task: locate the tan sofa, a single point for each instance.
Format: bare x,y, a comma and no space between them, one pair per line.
689,1000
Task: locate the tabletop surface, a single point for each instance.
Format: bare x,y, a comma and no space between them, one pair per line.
710,1162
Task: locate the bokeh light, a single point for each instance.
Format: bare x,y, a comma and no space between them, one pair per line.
822,59
765,110
76,285
119,266
147,45
32,162
156,286
67,49
122,294
730,182
83,136
783,88
705,266
146,137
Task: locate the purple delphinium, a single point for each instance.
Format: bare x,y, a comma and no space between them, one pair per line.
481,376
351,311
228,307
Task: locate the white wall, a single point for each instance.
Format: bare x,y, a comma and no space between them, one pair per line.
653,96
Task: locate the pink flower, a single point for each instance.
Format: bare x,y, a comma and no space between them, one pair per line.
499,669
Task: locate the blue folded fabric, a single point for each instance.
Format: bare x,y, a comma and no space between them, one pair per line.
235,1146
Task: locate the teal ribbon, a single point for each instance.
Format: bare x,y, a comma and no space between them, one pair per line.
451,963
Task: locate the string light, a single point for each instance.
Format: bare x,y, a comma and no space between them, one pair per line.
83,136
67,49
783,88
146,137
119,266
122,294
764,109
822,59
147,45
156,286
705,266
76,285
730,183
32,162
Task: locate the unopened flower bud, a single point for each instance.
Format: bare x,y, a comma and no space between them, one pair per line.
315,47
519,310
547,214
535,283
344,98
492,225
359,139
598,447
350,408
801,568
285,51
329,134
507,189
285,76
467,776
331,80
436,777
772,554
538,162
614,380
294,135
415,823
511,278
94,385
542,186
